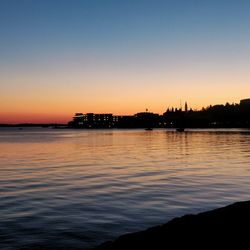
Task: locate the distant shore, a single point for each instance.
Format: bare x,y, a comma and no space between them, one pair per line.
223,227
64,126
42,125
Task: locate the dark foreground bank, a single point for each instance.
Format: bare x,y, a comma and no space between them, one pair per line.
224,227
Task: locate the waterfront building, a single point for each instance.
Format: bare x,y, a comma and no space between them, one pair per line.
245,102
91,120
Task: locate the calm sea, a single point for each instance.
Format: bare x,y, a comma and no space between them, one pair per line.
74,189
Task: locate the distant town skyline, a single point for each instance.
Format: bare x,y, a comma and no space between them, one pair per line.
56,118
58,57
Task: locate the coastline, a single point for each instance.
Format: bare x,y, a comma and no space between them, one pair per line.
225,227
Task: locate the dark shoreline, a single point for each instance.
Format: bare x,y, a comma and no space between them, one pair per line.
223,227
63,126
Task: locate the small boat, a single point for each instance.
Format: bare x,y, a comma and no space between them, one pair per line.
148,129
180,129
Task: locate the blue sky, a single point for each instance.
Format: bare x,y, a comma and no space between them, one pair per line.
129,51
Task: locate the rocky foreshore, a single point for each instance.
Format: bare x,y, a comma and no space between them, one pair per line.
224,227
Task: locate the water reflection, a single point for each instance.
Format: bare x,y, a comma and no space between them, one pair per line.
78,188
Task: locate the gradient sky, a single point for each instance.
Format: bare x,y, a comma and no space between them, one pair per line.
58,57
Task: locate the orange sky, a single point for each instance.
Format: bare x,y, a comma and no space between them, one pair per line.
55,95
120,58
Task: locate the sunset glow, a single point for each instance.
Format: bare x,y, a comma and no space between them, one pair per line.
58,58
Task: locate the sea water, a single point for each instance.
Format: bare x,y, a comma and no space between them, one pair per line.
74,189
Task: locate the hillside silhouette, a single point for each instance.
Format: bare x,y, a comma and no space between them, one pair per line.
217,116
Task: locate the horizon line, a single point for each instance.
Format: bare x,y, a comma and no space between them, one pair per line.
62,120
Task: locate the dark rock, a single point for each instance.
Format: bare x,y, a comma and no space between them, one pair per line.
220,228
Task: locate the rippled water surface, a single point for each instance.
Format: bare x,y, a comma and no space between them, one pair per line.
73,189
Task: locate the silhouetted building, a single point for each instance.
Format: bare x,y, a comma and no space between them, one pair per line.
245,102
226,116
91,120
78,119
147,120
124,121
